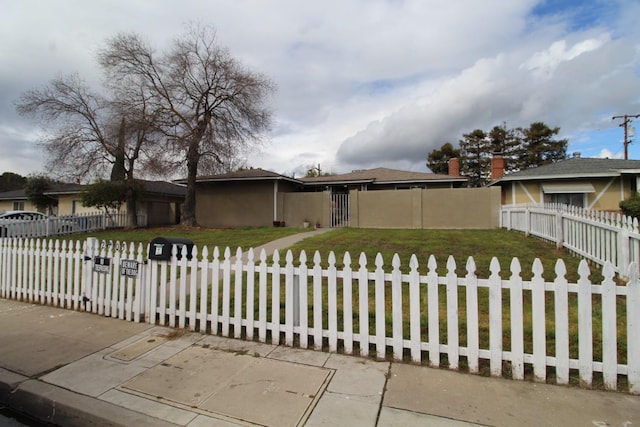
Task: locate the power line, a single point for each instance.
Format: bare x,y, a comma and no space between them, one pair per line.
626,119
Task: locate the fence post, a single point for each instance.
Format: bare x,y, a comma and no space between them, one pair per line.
527,221
559,230
623,252
90,249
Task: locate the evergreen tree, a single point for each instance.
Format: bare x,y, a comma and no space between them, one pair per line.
521,148
506,143
11,181
35,189
438,160
475,155
539,146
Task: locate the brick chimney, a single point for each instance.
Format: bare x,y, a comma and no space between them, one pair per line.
497,167
454,167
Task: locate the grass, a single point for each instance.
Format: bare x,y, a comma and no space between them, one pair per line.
483,245
246,237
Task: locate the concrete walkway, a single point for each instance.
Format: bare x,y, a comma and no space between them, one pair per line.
285,242
77,369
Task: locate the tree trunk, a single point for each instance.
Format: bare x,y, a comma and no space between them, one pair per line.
132,214
188,217
118,172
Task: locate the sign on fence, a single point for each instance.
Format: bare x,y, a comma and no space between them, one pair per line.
101,264
129,268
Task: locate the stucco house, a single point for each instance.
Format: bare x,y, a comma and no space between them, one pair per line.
258,197
382,179
590,183
159,200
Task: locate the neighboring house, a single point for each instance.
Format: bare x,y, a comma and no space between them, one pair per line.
15,200
257,197
591,183
242,198
159,200
381,179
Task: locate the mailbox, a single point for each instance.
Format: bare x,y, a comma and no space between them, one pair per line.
160,248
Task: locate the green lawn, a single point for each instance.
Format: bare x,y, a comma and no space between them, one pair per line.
482,245
239,237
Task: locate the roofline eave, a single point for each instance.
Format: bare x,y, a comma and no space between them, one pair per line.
263,178
556,176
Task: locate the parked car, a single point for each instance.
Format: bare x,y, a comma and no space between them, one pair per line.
22,215
33,224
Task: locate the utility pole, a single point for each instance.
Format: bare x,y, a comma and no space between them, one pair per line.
626,119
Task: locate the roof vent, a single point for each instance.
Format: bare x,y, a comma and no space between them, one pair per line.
576,154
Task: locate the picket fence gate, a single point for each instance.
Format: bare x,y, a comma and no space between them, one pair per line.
354,309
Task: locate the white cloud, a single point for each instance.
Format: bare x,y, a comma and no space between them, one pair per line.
360,83
544,63
606,154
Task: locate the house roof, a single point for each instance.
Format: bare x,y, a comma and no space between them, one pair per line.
13,195
576,167
59,189
163,188
243,175
381,176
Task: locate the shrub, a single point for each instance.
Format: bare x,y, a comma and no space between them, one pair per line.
631,206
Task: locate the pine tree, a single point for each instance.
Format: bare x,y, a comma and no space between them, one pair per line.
475,155
506,143
438,160
539,147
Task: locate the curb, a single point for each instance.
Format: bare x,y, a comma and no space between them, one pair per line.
57,406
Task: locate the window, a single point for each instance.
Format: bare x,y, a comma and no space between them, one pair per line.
18,206
572,193
571,199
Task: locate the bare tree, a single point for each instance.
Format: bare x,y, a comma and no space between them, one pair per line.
88,134
77,140
206,102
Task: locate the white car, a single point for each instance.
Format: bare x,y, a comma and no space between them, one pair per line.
22,215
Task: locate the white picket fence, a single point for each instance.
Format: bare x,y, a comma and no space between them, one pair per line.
598,236
64,225
509,325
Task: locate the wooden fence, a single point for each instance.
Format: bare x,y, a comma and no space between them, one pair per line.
598,236
504,325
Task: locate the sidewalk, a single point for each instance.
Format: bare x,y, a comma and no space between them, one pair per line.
78,369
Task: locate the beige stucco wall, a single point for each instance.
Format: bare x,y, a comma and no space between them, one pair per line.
608,199
7,205
607,196
384,208
65,205
251,204
238,204
476,208
311,207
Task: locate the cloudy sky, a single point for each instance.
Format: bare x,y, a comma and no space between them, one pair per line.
361,83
